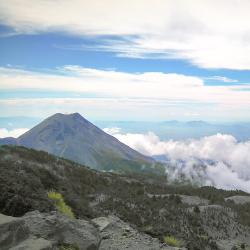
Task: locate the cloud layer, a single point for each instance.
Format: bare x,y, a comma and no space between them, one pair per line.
218,160
157,94
206,33
12,133
146,84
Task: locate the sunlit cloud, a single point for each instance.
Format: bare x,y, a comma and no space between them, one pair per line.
221,79
206,33
143,94
218,160
12,133
108,83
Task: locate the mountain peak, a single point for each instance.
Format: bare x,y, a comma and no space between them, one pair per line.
73,137
74,117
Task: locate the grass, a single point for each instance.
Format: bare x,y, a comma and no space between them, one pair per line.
172,241
60,204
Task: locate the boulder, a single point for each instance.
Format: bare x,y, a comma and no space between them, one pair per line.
34,244
61,229
12,231
45,231
238,199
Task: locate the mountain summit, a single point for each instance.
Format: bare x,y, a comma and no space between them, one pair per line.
73,137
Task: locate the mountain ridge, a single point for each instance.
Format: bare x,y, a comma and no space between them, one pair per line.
73,137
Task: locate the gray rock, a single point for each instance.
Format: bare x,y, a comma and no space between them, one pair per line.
59,228
34,244
187,199
12,231
40,231
238,199
118,235
193,200
47,231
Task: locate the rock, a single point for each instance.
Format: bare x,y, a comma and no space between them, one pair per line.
12,231
193,200
45,231
187,199
34,244
238,199
118,235
16,235
59,228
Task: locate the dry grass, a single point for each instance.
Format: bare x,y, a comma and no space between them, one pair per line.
172,241
60,204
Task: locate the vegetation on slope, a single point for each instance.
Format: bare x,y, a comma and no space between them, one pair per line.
172,241
27,175
60,204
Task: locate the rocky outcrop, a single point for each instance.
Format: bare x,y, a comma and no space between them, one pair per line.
238,199
38,231
52,231
187,199
116,234
12,231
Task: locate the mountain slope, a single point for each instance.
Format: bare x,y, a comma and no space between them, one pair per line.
201,218
73,137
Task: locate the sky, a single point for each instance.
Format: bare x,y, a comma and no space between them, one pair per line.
134,60
126,60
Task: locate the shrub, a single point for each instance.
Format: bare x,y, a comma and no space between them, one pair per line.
196,209
69,247
60,204
172,241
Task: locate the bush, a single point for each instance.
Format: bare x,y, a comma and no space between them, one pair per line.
60,204
172,241
69,247
196,209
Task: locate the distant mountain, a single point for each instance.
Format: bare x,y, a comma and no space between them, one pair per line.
8,141
73,137
198,124
179,130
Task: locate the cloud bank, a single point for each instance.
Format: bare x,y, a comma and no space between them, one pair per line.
12,133
218,160
206,33
110,83
184,93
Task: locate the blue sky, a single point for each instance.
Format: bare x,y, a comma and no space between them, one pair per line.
116,60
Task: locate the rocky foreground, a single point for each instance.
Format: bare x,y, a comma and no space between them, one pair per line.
40,231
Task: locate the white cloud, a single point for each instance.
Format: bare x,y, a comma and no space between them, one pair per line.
222,160
206,33
221,79
12,133
155,94
111,131
108,83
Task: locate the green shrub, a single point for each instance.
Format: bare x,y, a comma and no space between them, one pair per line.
172,241
60,204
